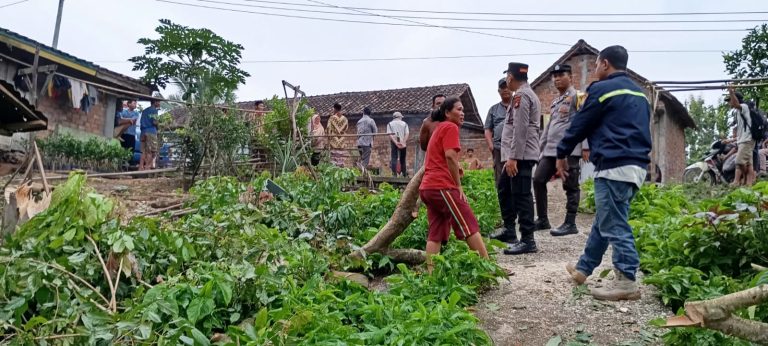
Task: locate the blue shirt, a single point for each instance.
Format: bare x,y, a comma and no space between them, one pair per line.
129,114
148,116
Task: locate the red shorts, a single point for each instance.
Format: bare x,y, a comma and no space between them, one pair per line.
446,209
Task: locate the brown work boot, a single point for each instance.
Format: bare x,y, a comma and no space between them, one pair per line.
576,275
620,288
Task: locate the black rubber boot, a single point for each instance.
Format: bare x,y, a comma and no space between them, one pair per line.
564,229
542,224
505,235
521,248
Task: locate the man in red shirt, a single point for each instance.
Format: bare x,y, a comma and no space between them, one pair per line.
441,189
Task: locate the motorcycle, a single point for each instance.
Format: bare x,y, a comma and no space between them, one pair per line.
714,168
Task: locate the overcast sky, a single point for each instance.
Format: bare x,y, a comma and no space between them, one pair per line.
106,31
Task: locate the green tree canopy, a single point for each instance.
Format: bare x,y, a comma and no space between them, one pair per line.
751,61
192,57
712,124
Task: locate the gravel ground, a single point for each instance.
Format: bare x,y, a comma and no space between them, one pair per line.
540,301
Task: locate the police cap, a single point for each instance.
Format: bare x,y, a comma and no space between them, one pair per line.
561,68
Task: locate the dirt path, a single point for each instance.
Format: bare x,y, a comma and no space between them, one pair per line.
540,302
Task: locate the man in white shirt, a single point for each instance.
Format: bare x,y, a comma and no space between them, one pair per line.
398,130
745,173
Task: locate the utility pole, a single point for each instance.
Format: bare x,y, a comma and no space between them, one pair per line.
58,24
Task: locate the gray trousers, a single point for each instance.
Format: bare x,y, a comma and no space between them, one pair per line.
365,155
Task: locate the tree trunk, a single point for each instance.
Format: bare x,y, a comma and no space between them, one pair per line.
400,220
717,314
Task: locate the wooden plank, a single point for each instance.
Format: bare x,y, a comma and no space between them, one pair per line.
42,171
41,69
24,125
117,174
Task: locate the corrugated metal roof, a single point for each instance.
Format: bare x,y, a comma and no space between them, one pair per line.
16,113
129,83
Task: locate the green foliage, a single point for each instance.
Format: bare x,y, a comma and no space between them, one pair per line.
751,61
698,245
587,204
212,141
191,55
63,149
276,134
711,125
244,273
697,242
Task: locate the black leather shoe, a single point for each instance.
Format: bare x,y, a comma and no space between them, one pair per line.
542,224
521,248
504,235
564,229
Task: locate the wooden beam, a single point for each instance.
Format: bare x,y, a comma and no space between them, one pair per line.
117,174
24,125
40,69
34,74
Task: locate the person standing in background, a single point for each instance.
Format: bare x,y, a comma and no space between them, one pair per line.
317,131
399,132
427,126
337,125
149,141
129,117
366,127
494,126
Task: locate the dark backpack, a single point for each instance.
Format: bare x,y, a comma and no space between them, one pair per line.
758,124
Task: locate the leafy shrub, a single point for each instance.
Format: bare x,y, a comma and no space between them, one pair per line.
62,150
225,274
693,248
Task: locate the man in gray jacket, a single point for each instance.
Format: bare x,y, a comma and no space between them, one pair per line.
561,113
520,150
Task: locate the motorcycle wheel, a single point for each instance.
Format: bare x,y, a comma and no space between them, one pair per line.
690,175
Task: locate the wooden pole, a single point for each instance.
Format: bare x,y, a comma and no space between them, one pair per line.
42,171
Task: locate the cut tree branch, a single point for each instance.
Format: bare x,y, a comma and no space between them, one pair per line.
717,314
400,220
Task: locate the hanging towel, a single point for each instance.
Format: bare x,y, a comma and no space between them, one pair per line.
76,92
93,93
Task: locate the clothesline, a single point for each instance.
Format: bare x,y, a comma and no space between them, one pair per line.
122,92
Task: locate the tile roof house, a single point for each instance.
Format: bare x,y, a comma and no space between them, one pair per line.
414,103
669,120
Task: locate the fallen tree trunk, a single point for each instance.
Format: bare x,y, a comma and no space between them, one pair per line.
717,314
400,220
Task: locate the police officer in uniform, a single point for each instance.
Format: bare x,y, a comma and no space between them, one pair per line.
494,125
561,113
519,151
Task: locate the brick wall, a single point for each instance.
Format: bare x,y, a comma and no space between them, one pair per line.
381,152
61,114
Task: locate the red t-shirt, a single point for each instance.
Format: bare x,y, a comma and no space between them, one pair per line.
436,173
